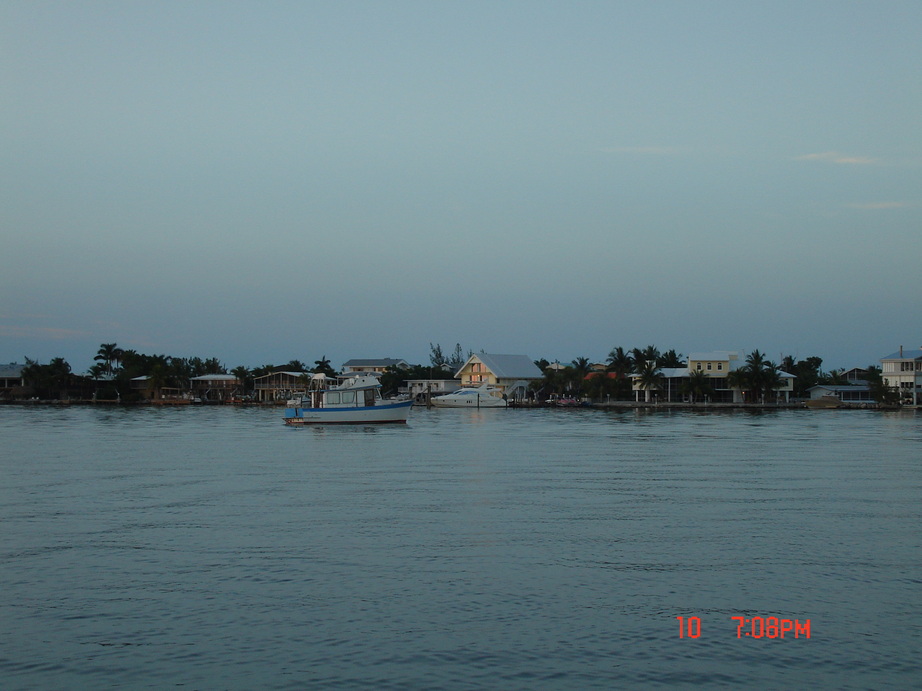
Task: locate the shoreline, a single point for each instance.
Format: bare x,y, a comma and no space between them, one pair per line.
608,405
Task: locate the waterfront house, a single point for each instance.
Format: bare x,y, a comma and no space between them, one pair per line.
214,387
847,393
280,386
510,374
856,375
10,379
716,366
379,365
902,371
146,387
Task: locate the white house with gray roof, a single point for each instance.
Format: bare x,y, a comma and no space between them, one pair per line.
902,371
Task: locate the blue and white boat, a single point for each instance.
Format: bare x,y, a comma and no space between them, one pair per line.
354,399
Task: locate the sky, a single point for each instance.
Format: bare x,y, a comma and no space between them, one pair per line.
267,181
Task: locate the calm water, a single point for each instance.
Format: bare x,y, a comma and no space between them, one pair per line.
215,548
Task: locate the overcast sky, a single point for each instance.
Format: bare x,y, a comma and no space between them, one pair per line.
263,181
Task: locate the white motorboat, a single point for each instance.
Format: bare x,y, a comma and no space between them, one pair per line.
354,399
483,396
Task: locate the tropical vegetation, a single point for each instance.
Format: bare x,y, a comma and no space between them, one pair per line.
757,379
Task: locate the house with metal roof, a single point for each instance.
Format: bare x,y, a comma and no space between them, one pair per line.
902,371
847,393
11,378
373,365
511,374
716,366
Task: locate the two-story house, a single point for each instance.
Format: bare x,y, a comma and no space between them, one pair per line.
902,370
511,374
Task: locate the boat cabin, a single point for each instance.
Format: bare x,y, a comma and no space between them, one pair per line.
361,391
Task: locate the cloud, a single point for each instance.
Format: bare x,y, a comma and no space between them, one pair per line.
41,332
870,206
841,159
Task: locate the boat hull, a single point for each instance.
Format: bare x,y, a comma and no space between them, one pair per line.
468,402
361,415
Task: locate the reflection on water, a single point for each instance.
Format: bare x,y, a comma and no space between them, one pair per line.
545,549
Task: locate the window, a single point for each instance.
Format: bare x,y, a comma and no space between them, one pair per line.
720,366
698,366
332,398
348,396
709,367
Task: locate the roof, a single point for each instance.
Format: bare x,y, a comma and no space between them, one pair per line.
715,355
11,370
215,377
290,374
379,362
905,355
506,366
840,387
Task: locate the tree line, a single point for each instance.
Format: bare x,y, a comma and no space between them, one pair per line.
114,368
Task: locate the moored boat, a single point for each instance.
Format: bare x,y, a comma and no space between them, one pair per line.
483,396
355,399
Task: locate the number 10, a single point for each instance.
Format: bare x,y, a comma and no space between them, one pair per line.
692,629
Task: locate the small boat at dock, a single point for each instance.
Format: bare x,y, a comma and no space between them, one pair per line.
354,399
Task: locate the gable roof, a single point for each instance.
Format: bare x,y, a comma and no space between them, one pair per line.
506,366
715,355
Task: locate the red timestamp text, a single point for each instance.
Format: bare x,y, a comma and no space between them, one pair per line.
770,627
751,627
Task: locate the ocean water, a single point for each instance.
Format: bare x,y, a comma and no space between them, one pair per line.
216,548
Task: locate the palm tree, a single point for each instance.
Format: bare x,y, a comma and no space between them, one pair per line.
107,354
639,356
771,379
650,378
698,385
322,366
739,379
621,364
582,366
619,361
761,376
156,380
836,377
243,376
671,359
